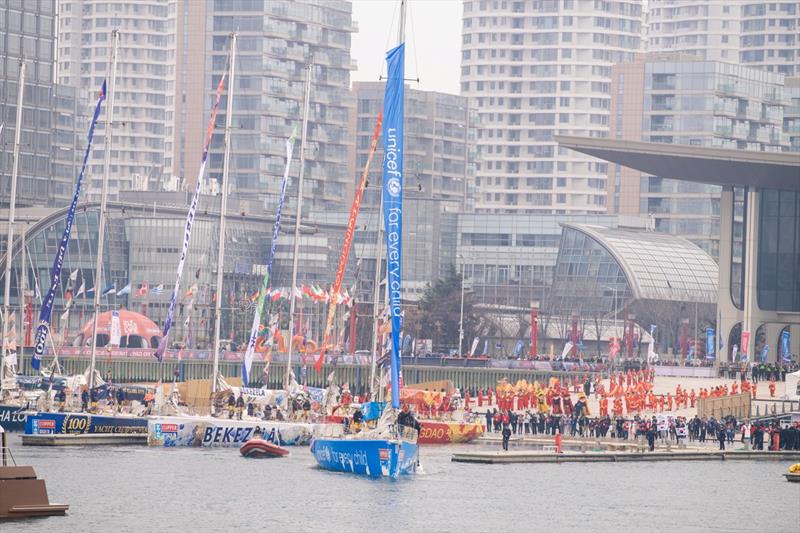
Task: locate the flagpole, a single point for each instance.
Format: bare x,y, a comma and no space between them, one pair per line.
222,213
107,139
11,208
297,217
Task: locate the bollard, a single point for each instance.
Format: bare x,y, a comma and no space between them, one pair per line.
669,445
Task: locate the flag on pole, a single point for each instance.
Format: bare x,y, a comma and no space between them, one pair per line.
124,290
158,289
142,291
55,272
162,345
110,289
81,289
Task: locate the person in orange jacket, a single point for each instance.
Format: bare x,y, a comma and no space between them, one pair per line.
669,401
772,388
604,407
735,388
692,398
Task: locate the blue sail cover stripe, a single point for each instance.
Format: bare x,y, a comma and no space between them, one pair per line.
55,273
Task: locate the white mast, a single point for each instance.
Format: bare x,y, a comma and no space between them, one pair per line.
23,283
223,212
297,217
10,241
98,265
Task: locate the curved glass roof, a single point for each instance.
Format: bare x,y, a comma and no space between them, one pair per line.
658,266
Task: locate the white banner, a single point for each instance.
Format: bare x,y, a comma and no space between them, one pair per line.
116,336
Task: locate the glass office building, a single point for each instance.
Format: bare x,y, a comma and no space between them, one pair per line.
26,31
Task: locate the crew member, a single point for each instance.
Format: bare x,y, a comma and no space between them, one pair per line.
231,405
506,436
239,406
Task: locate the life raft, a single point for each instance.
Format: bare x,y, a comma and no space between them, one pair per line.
258,448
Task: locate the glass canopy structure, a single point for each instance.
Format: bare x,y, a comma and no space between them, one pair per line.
650,278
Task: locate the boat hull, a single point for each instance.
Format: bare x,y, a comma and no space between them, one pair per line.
260,448
447,432
13,417
793,477
374,458
80,423
208,432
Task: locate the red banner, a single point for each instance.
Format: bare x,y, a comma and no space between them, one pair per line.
745,347
348,240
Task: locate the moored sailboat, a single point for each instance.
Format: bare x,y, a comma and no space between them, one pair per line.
391,448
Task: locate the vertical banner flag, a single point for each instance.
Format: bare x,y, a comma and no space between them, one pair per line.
474,346
710,348
348,241
786,353
744,346
262,293
55,272
393,198
162,345
116,333
765,353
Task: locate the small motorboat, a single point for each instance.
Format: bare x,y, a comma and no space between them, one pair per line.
258,448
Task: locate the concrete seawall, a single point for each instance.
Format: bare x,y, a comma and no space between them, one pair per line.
613,457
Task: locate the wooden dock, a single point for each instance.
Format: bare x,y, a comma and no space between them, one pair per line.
86,439
619,457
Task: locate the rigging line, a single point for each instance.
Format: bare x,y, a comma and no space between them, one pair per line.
388,44
413,39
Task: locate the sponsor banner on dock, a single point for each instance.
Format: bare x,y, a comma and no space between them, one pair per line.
12,417
77,423
445,432
207,432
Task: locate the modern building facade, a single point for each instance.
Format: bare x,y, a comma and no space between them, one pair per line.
142,246
759,284
536,68
27,33
440,152
141,151
791,114
276,40
609,277
678,99
508,260
762,34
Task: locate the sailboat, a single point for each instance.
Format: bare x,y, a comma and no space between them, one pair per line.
391,449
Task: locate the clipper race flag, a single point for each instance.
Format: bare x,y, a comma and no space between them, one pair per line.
55,273
262,293
187,234
393,197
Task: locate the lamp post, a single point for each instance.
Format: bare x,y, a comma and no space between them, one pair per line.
461,319
616,310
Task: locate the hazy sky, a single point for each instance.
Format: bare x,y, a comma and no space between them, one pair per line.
433,41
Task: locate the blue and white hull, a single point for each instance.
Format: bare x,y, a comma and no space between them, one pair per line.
373,458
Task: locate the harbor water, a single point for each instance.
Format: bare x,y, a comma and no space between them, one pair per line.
155,489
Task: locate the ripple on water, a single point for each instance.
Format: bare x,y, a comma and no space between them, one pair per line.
153,489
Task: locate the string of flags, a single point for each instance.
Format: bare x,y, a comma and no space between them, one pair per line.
314,293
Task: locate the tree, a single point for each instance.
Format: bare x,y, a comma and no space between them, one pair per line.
440,310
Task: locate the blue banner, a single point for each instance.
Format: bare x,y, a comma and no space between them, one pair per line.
786,352
393,198
711,350
53,423
765,353
55,273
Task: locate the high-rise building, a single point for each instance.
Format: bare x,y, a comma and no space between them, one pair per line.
536,68
439,145
757,34
276,39
142,151
679,99
791,114
27,34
